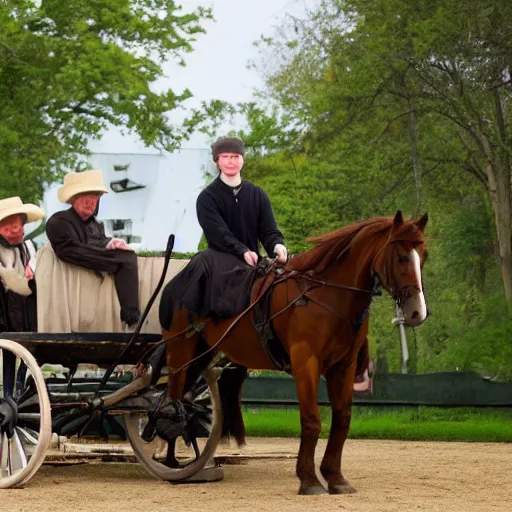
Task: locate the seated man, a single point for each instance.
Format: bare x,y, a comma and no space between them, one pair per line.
18,310
235,216
78,238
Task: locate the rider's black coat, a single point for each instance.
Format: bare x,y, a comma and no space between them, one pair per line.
235,219
217,282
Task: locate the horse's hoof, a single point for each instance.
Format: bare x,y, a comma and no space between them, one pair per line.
312,490
341,489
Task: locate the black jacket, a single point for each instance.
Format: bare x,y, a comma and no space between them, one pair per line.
81,242
234,223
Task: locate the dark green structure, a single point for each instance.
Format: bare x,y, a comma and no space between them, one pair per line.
444,389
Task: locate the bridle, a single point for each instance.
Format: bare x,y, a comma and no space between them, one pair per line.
399,294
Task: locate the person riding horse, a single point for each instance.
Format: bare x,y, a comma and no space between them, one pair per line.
234,213
17,266
78,238
318,307
235,216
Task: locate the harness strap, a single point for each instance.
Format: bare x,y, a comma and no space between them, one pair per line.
293,274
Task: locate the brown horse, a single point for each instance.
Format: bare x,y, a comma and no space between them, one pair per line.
319,308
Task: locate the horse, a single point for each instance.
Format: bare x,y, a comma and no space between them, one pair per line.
319,308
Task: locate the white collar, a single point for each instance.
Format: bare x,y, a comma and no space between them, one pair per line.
232,181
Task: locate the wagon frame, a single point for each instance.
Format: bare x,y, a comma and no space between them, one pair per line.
32,407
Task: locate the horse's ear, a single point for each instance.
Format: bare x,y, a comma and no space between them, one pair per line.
422,222
398,220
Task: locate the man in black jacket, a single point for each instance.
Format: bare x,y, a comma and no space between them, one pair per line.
78,238
234,213
235,216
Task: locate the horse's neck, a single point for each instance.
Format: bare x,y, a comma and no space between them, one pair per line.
356,268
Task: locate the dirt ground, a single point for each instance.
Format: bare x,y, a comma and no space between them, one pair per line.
388,475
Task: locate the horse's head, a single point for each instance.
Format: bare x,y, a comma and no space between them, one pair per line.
399,266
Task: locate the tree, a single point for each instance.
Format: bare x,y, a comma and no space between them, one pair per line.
353,91
459,55
435,73
70,69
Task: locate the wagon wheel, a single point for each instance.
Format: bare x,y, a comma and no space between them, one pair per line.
24,406
204,406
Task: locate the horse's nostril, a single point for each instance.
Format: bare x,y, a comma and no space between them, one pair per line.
415,315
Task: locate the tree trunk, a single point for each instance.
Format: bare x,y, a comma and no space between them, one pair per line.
499,192
416,164
499,174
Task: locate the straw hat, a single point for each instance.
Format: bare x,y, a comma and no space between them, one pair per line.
15,206
80,183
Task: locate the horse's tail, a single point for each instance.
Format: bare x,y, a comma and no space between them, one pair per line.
230,388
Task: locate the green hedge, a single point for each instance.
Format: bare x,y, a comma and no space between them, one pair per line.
161,254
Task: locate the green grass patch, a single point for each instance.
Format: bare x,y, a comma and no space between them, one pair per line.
161,254
410,424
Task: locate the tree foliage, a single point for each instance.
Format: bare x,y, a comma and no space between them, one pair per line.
399,105
70,69
425,87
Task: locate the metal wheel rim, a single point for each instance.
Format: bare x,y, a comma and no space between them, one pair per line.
16,452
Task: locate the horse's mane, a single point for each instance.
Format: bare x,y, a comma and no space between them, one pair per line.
334,245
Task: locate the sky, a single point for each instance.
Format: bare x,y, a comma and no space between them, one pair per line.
217,68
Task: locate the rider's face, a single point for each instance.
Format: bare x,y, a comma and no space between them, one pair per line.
11,228
85,205
230,164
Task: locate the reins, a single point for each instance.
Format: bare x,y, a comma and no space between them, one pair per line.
292,274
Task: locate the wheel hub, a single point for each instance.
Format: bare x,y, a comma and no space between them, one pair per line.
168,420
8,416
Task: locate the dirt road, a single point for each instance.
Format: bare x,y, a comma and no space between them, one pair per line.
389,476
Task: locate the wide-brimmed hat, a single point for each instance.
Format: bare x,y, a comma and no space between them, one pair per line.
15,206
81,183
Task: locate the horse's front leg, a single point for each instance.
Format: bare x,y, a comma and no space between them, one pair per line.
306,379
178,355
340,380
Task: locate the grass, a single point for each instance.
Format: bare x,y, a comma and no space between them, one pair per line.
411,424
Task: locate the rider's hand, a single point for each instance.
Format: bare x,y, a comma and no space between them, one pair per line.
118,243
251,258
281,253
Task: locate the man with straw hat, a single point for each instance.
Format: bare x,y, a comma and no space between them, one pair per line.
78,238
17,266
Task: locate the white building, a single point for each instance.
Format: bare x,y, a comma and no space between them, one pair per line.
150,196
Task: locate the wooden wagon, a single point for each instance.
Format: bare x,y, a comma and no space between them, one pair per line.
78,316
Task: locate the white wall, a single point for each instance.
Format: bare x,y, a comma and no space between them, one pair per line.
167,203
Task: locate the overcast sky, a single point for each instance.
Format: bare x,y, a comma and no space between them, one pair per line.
216,69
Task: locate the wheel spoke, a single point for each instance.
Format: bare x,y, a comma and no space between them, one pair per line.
204,396
8,373
17,456
4,457
205,424
29,435
20,378
33,400
29,416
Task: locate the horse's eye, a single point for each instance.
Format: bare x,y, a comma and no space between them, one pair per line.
403,259
425,256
